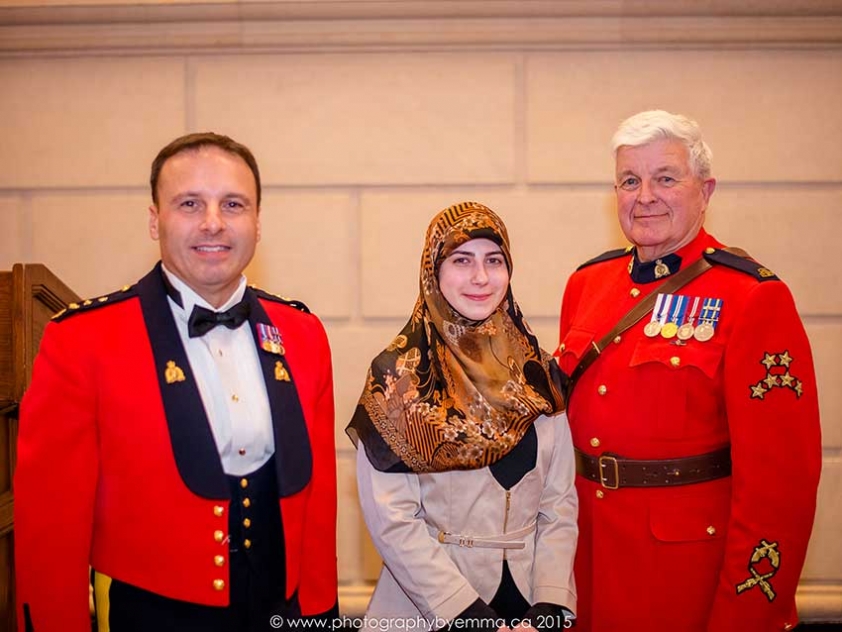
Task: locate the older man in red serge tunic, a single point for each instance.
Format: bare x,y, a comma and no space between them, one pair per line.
177,436
694,412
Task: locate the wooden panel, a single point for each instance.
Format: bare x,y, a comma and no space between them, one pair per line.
38,294
6,382
7,585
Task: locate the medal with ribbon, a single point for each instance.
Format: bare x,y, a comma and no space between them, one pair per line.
676,316
269,339
709,318
659,314
685,332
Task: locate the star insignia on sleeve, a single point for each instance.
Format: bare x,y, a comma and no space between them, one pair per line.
758,391
769,360
777,376
771,380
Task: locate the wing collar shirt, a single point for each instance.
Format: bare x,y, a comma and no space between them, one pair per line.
230,381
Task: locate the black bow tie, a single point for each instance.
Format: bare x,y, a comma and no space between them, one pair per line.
203,320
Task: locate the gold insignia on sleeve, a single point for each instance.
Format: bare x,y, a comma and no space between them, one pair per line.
173,373
281,374
758,390
777,376
765,562
771,380
769,360
765,272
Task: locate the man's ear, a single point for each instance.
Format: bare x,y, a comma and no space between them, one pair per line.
708,187
153,222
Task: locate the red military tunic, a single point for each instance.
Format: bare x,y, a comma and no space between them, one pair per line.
106,477
678,558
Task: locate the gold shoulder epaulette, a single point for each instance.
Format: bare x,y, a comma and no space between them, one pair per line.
280,299
127,291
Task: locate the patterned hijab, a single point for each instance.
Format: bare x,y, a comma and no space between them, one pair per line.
449,393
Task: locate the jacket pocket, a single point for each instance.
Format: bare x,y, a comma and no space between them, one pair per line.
692,513
575,345
683,386
704,356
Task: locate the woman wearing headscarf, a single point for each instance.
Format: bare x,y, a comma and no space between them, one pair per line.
466,470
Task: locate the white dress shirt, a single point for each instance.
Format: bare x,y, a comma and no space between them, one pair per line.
231,383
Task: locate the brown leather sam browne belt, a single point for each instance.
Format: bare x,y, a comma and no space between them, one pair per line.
612,471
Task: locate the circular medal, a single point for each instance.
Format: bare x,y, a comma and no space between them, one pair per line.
669,330
652,328
685,332
704,332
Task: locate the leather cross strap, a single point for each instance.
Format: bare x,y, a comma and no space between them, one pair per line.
675,282
613,472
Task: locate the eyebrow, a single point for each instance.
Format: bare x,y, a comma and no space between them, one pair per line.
659,170
225,196
471,254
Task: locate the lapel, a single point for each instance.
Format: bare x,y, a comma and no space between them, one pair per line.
293,456
194,447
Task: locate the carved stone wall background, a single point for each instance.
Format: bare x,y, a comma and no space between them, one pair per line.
367,117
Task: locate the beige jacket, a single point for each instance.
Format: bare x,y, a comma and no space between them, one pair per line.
423,578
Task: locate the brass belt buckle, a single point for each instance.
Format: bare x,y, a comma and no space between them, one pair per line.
606,461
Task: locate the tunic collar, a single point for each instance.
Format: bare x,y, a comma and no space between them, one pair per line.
650,271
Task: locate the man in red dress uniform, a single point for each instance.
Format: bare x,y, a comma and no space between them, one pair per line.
694,414
177,437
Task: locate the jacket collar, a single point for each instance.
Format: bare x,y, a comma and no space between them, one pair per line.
194,448
650,271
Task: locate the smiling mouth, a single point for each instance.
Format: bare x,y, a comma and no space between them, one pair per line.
478,297
654,216
211,248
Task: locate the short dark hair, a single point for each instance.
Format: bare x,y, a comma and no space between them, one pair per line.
191,142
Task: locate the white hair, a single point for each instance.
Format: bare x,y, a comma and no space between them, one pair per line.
651,125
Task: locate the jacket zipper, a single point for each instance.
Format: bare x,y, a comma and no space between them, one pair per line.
506,515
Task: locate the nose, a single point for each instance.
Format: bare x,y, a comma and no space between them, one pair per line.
480,274
212,221
646,193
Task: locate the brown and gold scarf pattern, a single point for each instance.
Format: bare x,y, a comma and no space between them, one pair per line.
449,393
